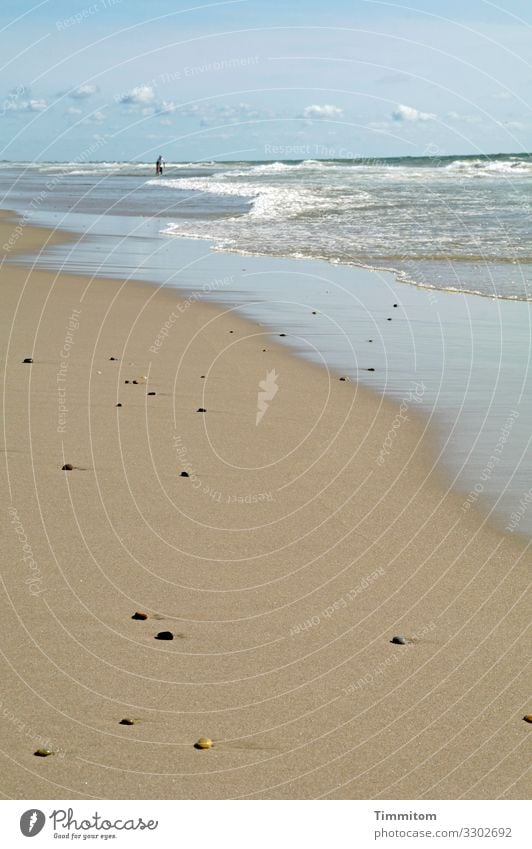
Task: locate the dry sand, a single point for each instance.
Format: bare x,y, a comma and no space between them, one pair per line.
283,565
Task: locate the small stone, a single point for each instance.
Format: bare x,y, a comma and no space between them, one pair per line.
231,331
43,753
202,376
345,379
399,641
113,359
152,393
27,360
264,350
282,334
126,381
201,410
164,635
139,615
136,381
314,312
388,319
119,405
67,467
395,305
528,717
370,369
370,340
184,475
128,721
204,743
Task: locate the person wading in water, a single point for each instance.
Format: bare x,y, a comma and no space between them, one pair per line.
159,165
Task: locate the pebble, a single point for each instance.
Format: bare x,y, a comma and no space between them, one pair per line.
67,467
27,360
202,376
231,331
344,379
119,405
139,615
370,369
370,340
113,359
282,334
528,717
388,319
128,722
164,635
126,381
399,641
43,753
204,743
152,393
395,305
314,312
184,475
201,410
136,381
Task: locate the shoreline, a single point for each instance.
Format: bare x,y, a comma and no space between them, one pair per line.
240,580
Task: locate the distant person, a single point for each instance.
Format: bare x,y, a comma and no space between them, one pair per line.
159,165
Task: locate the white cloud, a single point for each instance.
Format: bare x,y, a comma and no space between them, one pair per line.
73,110
95,118
83,91
408,113
324,111
14,104
142,95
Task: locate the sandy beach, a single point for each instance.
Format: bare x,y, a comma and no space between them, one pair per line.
312,528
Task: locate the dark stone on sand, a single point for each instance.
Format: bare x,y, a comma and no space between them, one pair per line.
282,334
396,305
202,376
164,635
314,312
399,641
345,379
139,615
119,405
370,369
127,721
388,319
528,717
43,753
152,393
370,340
184,475
201,410
67,467
113,359
136,381
264,350
231,331
27,360
126,381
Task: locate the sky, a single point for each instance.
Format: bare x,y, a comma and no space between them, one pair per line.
263,79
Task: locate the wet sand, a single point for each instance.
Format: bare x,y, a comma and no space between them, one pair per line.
283,565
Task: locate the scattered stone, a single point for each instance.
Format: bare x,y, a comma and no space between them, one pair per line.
126,381
128,722
370,340
164,635
113,359
399,641
264,350
184,475
388,319
204,743
314,312
201,410
152,393
345,379
282,334
231,331
528,717
27,360
370,369
396,305
119,405
136,381
67,467
139,615
43,753
202,376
